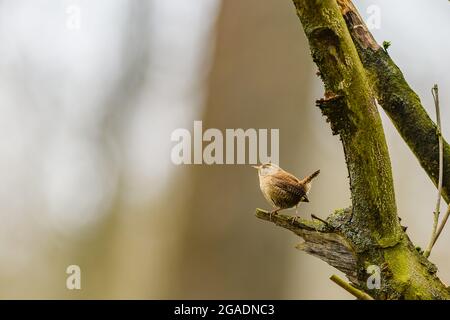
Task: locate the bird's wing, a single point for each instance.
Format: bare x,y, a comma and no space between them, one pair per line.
289,185
289,177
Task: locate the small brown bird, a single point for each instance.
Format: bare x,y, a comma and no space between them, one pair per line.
282,189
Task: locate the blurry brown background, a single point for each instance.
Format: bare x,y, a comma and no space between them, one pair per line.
87,112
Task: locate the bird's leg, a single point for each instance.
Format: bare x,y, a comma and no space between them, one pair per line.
294,218
273,212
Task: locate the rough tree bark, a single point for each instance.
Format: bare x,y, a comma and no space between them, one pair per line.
400,102
369,232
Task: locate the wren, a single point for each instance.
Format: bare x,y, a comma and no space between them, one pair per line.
282,189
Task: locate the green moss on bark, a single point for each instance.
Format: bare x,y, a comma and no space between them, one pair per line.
352,112
401,103
372,226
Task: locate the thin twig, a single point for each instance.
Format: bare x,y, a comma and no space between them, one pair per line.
435,234
441,227
351,289
319,219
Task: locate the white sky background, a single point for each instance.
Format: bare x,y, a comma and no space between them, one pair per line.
62,66
54,81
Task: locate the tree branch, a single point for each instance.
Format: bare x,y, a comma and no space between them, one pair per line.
349,288
442,225
369,233
436,213
400,102
352,113
320,240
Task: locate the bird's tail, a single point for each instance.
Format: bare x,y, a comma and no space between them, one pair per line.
309,178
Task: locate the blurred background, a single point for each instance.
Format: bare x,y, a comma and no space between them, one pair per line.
90,92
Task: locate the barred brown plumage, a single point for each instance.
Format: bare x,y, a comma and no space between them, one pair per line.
282,189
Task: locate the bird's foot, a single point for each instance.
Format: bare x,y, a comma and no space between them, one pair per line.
273,212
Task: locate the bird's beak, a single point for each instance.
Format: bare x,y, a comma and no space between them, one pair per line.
256,167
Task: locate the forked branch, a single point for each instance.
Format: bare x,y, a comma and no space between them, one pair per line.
370,233
401,103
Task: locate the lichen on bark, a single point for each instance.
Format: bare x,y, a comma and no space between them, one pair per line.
370,232
401,103
352,112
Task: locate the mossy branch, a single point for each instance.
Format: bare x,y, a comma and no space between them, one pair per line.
370,233
401,103
361,295
320,240
351,110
